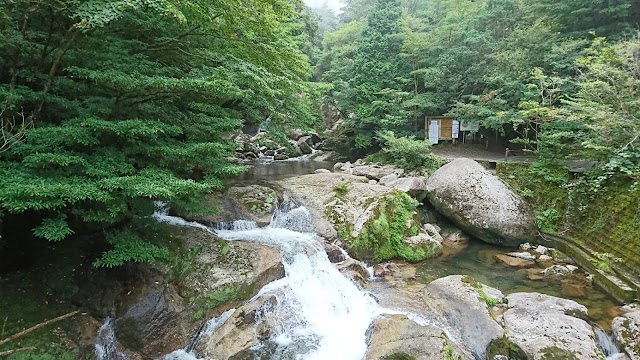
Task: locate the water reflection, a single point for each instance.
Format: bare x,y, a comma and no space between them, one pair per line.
278,170
478,260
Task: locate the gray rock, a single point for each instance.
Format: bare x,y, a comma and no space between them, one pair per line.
457,236
387,180
626,329
391,335
154,321
545,328
414,186
304,145
321,171
374,172
467,317
373,182
254,202
480,203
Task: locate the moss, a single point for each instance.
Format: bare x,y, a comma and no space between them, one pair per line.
556,353
486,298
23,306
601,216
502,346
398,356
383,235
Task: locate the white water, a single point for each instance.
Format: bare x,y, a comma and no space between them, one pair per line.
606,343
106,347
322,314
208,329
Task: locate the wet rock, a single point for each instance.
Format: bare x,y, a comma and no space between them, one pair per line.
155,321
535,274
424,240
626,330
433,232
355,270
480,203
254,202
304,144
557,270
239,274
525,247
334,253
545,327
513,261
574,289
386,269
542,250
242,331
392,335
456,236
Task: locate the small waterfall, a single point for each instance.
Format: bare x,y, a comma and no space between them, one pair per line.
321,314
162,215
206,330
106,347
237,225
606,343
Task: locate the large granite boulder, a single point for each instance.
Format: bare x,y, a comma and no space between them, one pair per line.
395,336
545,327
626,329
480,203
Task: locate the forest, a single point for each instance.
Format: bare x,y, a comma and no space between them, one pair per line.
108,105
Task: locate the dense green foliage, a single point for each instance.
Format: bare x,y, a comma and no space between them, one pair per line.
407,153
106,105
556,78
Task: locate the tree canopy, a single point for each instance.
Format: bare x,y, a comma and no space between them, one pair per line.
107,105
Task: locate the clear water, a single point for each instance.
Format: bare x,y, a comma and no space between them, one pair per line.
260,170
478,261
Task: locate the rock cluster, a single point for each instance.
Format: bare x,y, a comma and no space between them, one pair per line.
298,143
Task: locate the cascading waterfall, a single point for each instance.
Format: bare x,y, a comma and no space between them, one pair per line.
606,343
106,347
321,314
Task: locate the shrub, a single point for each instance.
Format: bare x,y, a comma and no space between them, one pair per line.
409,153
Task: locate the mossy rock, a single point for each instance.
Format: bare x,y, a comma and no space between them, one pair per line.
382,237
502,346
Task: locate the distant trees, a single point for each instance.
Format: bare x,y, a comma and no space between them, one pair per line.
527,69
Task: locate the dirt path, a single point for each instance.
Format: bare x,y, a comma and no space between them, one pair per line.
476,152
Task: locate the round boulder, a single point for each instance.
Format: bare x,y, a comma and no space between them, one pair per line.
480,203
